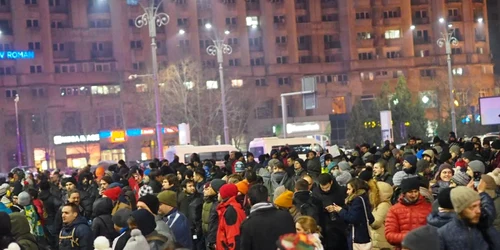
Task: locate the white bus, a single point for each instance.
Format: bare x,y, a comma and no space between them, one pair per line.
216,152
260,146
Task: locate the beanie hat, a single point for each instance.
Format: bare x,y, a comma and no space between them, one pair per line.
112,193
358,162
398,178
366,175
136,241
477,166
460,178
468,146
101,243
151,201
145,221
413,239
239,167
461,164
444,156
242,186
489,181
70,179
216,184
344,166
145,190
441,168
24,199
444,199
411,159
278,191
3,189
469,155
168,197
272,162
462,197
229,190
408,184
284,200
121,216
495,144
343,178
428,152
422,165
438,149
99,172
455,149
496,176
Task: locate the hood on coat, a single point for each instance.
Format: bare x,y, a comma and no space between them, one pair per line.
439,219
78,221
385,191
277,177
102,206
20,225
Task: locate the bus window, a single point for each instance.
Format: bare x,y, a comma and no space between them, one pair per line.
300,149
257,151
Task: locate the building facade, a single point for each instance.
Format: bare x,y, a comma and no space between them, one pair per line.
77,84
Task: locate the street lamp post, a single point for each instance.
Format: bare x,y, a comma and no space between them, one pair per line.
447,40
219,48
18,133
153,18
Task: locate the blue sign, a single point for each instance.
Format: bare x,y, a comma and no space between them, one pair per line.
15,55
133,2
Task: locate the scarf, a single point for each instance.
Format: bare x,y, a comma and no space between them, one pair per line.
354,195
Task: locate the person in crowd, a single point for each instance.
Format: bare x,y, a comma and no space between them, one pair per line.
357,212
305,202
495,154
424,169
38,204
460,179
285,202
121,227
279,177
104,183
329,192
409,213
313,164
252,164
409,170
210,218
6,237
4,200
342,173
231,215
443,178
491,188
242,192
445,211
150,203
31,214
380,173
145,221
89,185
112,194
234,178
472,228
76,233
136,241
307,225
265,224
85,201
299,166
422,238
155,180
171,182
102,223
199,179
187,196
175,220
388,160
22,232
126,199
55,182
51,204
379,214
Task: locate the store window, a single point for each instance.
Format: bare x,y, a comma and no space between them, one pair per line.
113,154
80,155
338,105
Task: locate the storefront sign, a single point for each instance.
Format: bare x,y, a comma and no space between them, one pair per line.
59,139
15,55
118,136
302,127
148,131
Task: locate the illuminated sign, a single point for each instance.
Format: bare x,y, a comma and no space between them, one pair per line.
59,139
118,136
148,131
15,55
121,135
302,127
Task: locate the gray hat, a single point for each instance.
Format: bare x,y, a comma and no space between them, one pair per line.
344,166
24,199
477,166
413,239
121,216
3,189
460,178
216,184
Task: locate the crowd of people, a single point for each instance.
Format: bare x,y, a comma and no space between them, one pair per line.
443,195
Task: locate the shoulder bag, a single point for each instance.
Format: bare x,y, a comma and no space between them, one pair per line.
362,246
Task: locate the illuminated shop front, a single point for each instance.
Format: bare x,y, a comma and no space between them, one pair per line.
76,151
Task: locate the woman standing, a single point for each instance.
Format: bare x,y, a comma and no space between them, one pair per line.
357,213
443,178
379,213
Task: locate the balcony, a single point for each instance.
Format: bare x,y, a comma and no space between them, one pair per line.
94,54
332,45
455,18
280,24
393,42
62,8
419,2
255,48
392,21
422,20
421,40
480,38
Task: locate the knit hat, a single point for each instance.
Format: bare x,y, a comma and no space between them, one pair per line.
101,243
70,179
495,144
144,220
99,172
461,164
408,184
145,190
121,216
24,199
112,193
242,186
216,184
151,201
278,191
455,149
239,167
469,155
227,191
344,166
441,168
358,162
366,175
496,176
489,181
136,241
477,166
284,200
343,178
411,159
3,189
462,197
428,152
168,197
460,178
398,178
422,165
413,239
444,199
444,156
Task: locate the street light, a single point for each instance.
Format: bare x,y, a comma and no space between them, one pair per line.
219,48
153,18
447,40
18,133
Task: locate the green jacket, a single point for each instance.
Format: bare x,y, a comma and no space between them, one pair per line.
22,233
205,213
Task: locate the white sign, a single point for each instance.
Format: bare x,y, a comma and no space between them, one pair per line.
59,139
490,110
302,127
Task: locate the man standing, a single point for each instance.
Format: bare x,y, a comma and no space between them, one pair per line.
389,160
76,233
191,206
210,220
151,204
409,213
175,220
265,224
199,179
231,215
380,173
313,164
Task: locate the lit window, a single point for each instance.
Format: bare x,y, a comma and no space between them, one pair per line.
189,85
392,34
457,71
252,21
212,85
237,83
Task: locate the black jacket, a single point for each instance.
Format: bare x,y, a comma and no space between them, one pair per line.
194,214
102,224
156,186
51,204
307,204
213,225
76,236
263,227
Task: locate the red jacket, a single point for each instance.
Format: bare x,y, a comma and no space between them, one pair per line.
403,218
231,215
39,210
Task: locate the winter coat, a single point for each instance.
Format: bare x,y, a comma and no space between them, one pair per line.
314,167
58,224
205,213
76,236
156,186
194,215
390,164
402,218
439,219
386,177
380,214
102,224
21,232
163,229
307,204
263,227
213,225
39,210
496,202
279,179
120,241
180,228
354,215
4,208
34,222
231,215
86,202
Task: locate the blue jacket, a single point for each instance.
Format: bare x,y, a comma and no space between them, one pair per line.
354,215
457,234
180,228
76,236
4,208
439,219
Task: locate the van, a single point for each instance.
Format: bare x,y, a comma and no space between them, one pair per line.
260,146
216,152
